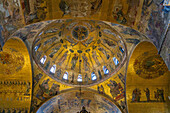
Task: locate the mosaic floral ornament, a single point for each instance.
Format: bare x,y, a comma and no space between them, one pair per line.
11,62
149,66
78,52
80,32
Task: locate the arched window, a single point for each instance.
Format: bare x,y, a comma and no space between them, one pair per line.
115,61
105,70
79,79
121,49
36,47
40,33
93,76
43,59
65,76
53,68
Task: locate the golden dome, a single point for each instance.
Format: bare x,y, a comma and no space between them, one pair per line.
79,52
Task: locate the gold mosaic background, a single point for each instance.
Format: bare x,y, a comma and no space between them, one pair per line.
155,102
147,16
16,83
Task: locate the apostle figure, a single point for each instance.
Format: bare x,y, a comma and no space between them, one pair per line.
104,52
72,78
161,94
136,95
147,91
95,57
63,58
74,61
86,63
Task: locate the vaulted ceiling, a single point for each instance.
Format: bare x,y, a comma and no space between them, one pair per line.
83,43
150,17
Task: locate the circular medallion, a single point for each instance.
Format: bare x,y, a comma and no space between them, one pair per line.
11,62
149,66
80,32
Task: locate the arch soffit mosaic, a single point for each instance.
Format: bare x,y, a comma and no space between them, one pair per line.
12,48
16,65
88,98
145,65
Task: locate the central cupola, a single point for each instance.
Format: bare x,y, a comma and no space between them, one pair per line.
79,52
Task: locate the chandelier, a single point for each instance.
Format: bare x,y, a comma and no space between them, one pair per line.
83,110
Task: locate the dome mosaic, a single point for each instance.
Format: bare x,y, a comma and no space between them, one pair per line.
72,102
79,52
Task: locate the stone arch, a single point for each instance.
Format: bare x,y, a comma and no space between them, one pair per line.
76,98
146,80
15,76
